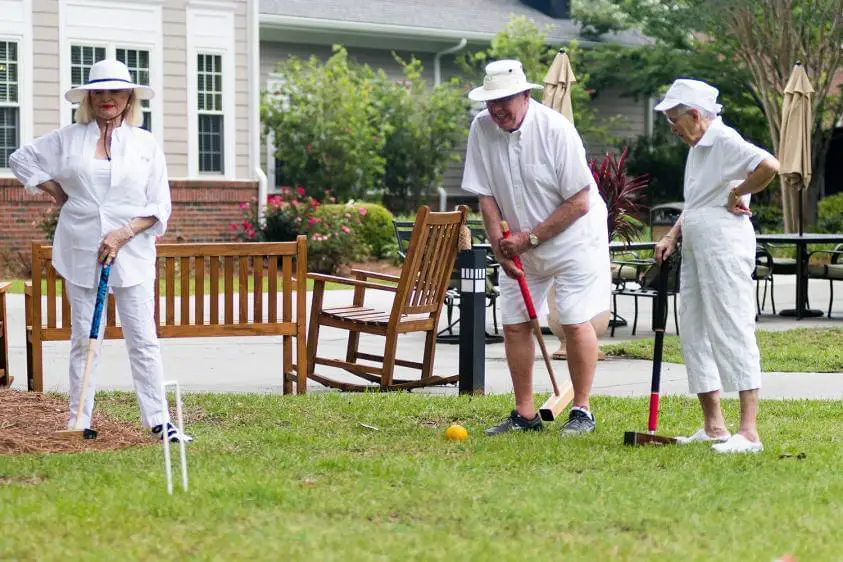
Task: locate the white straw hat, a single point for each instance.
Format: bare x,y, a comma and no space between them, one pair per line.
693,93
108,74
503,78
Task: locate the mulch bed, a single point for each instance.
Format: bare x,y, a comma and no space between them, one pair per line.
29,420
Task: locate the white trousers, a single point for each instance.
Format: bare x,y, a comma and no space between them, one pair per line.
135,306
717,307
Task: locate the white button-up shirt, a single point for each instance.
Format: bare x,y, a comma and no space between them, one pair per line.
719,161
139,188
531,172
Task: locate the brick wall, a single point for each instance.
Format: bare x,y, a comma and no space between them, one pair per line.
202,212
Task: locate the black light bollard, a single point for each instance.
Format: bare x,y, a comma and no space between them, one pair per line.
472,268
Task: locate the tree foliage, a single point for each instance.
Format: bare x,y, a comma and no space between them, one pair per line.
747,48
347,128
524,41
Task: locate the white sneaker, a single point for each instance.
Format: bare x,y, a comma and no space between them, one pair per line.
701,436
737,443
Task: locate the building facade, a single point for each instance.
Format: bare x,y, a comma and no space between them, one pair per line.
200,57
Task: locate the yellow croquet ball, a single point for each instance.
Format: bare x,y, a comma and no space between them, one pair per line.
456,433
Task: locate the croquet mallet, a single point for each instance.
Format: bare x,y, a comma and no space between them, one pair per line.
79,432
660,321
560,399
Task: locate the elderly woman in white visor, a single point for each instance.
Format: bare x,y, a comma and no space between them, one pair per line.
110,179
718,257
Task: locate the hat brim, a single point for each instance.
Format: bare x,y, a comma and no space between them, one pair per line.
76,95
667,104
482,94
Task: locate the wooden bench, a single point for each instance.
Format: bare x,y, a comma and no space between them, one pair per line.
218,275
5,377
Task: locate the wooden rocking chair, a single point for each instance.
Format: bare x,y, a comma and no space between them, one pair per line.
419,295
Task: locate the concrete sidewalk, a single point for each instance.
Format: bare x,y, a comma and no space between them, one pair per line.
252,364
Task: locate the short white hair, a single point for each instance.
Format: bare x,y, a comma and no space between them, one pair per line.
133,114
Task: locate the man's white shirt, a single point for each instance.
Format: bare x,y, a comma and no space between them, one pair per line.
530,172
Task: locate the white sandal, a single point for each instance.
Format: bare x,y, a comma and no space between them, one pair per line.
702,437
737,443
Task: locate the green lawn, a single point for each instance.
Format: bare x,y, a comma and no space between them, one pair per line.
801,350
297,478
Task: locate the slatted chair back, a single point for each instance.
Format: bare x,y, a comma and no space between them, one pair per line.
429,263
201,290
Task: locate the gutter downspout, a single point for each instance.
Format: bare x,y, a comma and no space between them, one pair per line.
437,72
254,111
437,79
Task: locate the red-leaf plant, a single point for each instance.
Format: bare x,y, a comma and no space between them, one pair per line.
621,194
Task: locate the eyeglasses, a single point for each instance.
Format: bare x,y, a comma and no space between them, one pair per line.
502,101
672,122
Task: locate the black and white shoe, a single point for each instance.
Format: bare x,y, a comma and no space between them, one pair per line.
173,434
516,422
579,421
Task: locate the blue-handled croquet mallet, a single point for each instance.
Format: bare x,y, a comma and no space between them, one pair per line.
79,432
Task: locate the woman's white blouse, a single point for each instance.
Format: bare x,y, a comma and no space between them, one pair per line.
138,188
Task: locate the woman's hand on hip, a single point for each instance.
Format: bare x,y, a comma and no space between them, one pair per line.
664,248
112,243
53,188
736,206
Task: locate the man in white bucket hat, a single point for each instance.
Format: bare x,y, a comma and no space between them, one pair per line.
110,179
718,257
527,165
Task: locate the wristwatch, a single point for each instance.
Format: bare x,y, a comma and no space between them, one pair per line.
534,240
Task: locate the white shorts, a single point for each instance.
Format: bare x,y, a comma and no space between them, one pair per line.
582,293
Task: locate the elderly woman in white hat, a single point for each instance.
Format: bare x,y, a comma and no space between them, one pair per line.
527,165
718,257
110,179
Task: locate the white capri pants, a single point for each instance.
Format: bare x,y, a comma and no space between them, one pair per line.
717,308
135,306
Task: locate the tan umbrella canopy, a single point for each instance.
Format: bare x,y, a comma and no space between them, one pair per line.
557,85
795,146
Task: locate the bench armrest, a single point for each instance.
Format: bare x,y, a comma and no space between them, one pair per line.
4,285
353,282
375,275
27,288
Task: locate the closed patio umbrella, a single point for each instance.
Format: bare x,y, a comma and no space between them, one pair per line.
557,85
795,146
795,171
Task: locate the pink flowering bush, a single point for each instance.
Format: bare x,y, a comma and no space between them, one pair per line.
333,239
48,222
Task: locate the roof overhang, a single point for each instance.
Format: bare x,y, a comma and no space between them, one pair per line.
322,31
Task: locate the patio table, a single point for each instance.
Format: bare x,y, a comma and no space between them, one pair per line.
801,242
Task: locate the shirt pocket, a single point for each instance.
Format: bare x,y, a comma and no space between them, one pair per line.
135,177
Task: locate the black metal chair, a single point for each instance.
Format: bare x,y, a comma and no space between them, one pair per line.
764,271
644,286
832,271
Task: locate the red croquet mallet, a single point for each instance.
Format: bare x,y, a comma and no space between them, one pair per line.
650,438
557,401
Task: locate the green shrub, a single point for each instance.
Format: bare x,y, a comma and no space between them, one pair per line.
334,239
376,226
830,214
767,218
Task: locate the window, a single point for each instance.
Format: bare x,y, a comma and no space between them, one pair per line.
9,101
82,58
137,61
209,105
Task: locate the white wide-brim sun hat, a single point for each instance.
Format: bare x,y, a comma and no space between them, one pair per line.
108,74
504,78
